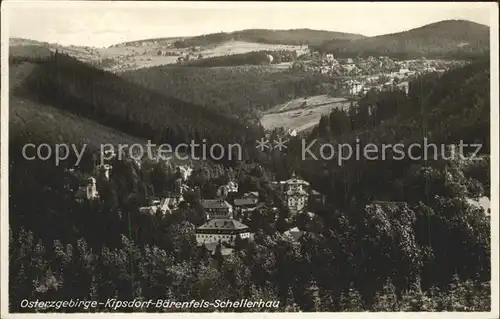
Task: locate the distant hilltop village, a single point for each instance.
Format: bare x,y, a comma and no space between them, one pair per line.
372,73
225,213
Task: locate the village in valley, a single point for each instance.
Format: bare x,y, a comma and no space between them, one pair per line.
303,159
227,213
351,79
358,74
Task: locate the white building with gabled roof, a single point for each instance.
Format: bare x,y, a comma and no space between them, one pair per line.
296,196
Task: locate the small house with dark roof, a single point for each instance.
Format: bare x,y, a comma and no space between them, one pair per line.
250,198
217,208
247,203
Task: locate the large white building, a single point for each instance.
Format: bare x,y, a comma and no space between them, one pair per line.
221,229
221,226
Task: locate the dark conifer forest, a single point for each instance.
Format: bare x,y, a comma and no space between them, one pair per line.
241,92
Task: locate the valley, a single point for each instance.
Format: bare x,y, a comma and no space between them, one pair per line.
409,234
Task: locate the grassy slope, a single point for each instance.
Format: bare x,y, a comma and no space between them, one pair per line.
294,115
44,123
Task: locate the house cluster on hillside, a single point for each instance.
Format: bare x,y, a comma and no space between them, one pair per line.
225,213
225,220
362,75
395,80
328,64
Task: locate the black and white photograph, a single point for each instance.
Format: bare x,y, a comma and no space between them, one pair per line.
249,157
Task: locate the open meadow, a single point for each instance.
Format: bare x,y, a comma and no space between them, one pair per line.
302,113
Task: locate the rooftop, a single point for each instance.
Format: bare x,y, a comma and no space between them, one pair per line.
296,180
245,201
215,204
223,224
251,194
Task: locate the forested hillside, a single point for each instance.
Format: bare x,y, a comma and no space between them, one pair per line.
251,58
50,124
240,92
31,51
457,39
62,82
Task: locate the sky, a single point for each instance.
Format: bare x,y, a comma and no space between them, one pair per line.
101,24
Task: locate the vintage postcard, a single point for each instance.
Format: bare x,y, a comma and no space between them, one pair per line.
259,158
